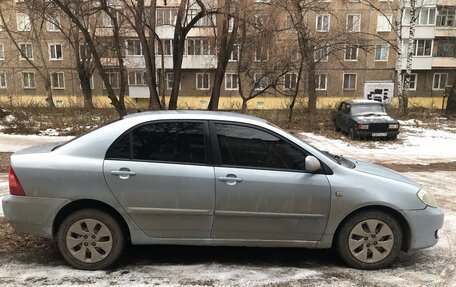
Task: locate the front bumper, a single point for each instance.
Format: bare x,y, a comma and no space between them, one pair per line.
424,225
32,215
369,134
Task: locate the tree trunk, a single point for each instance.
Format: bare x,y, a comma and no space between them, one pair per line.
87,93
408,69
48,92
244,105
312,104
451,103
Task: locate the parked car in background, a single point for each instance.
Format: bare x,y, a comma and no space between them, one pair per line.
363,119
212,178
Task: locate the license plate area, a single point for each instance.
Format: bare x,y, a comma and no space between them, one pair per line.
379,134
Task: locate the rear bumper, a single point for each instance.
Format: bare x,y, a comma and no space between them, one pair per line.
424,225
32,215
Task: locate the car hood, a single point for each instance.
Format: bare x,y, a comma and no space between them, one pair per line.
381,171
374,119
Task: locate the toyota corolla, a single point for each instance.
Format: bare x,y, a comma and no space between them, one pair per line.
212,178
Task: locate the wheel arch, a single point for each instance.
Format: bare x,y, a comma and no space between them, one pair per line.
93,204
406,230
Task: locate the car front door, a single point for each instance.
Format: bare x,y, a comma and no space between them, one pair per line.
162,174
262,189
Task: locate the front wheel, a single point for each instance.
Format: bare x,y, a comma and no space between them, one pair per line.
90,239
369,240
352,134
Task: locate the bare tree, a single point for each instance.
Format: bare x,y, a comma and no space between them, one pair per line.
144,25
226,38
31,30
184,23
85,15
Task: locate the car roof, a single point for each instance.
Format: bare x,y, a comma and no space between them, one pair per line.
358,102
194,114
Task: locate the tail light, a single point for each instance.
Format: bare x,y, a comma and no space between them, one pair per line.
14,184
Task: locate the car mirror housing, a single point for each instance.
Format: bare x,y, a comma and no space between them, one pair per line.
312,164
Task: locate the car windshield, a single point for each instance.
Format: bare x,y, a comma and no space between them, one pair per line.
368,109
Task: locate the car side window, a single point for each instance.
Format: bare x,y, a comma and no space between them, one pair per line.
243,146
342,108
181,142
120,149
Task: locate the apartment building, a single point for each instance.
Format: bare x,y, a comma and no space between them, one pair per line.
434,61
343,68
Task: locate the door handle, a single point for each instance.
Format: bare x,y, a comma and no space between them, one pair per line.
123,173
226,178
230,179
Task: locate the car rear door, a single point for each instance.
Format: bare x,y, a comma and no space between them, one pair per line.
262,189
162,174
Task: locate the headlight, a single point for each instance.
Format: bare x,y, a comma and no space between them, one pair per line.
427,197
362,127
393,126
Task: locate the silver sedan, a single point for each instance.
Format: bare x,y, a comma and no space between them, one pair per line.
211,178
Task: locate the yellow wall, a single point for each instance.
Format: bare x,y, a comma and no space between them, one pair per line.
201,102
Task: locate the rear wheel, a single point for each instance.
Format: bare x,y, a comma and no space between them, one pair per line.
369,240
336,128
90,239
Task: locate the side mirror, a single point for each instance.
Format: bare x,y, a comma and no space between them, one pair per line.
312,164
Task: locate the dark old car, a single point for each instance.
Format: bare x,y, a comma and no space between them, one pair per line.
365,119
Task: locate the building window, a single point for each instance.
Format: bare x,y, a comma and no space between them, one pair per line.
353,23
320,82
426,16
384,23
53,24
440,81
137,78
446,16
413,78
351,53
206,21
261,82
230,25
108,21
26,51
202,81
322,23
28,80
166,16
231,82
234,56
170,81
134,47
199,47
291,80
2,80
167,47
261,53
349,82
2,52
58,81
422,47
381,52
321,54
114,80
23,22
55,51
84,53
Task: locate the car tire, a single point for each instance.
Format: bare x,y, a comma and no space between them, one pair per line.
393,138
336,128
352,134
90,239
362,248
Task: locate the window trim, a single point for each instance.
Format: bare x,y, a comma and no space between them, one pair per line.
6,81
208,81
207,143
440,81
50,45
218,159
343,82
359,24
387,52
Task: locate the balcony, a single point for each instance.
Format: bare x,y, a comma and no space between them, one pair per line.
419,63
189,62
444,62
